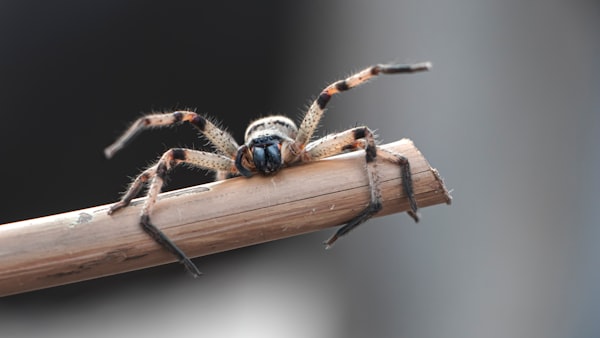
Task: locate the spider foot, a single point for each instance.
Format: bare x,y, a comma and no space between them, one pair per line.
191,267
405,68
163,240
117,206
413,205
371,210
329,243
414,215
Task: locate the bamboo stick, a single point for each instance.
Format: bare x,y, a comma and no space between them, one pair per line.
201,220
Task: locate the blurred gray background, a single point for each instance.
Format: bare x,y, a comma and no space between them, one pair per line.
510,115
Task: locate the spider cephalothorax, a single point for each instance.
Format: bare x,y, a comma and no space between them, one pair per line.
266,144
270,144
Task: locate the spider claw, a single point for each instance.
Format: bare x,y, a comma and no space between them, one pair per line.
414,215
329,243
191,267
413,209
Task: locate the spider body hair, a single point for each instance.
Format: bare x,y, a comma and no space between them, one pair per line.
270,144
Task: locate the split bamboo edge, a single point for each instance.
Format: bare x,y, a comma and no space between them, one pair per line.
206,219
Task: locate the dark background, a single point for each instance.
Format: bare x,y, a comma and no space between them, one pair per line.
510,115
74,76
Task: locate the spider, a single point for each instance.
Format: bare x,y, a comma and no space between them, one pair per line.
270,144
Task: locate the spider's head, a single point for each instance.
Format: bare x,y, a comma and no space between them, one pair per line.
265,139
263,152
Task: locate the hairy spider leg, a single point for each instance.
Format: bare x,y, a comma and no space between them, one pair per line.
221,139
407,181
362,138
317,108
155,176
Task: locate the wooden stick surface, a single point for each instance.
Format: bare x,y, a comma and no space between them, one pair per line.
201,220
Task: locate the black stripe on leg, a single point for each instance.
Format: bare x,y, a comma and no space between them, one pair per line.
175,156
360,133
342,85
375,70
145,122
370,149
404,68
371,153
178,154
199,122
349,147
177,116
323,99
161,170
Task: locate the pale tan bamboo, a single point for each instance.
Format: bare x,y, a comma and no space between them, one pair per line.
201,220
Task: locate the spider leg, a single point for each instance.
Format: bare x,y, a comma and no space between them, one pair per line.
317,108
222,140
362,138
155,176
407,181
162,239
